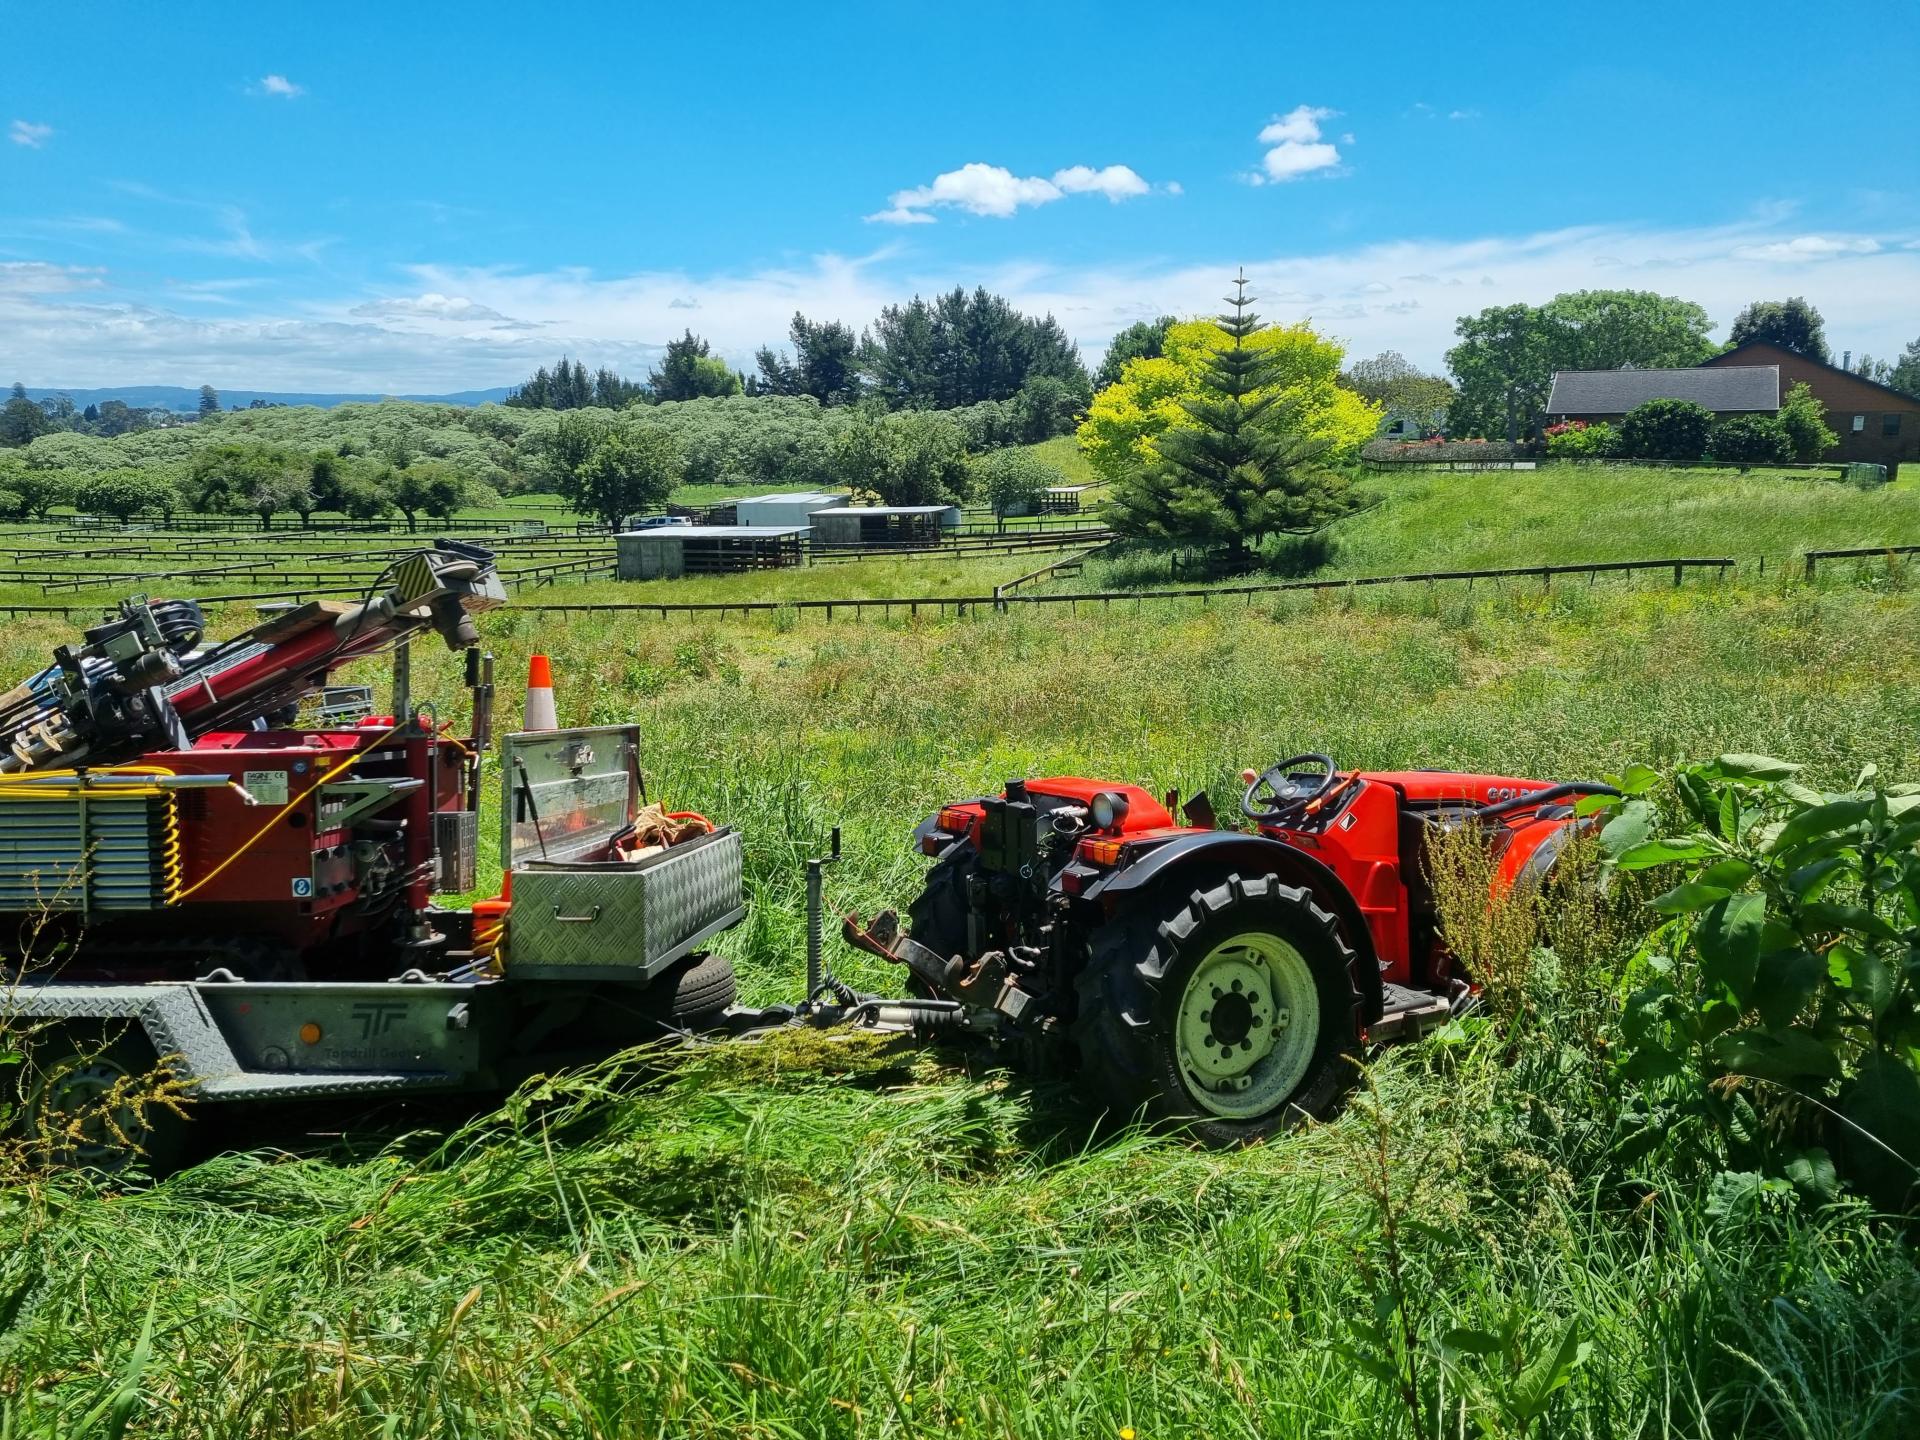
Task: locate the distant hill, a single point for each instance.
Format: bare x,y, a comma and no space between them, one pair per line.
180,397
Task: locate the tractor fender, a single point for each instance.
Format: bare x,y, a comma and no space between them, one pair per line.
1258,855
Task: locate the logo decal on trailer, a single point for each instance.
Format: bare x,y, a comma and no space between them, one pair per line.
302,887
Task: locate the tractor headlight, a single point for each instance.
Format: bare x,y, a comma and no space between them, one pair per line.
1109,810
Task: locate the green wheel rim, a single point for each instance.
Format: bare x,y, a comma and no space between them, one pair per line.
81,1115
1246,1026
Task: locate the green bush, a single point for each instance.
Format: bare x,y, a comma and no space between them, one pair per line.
1805,421
1666,430
1438,451
1777,1015
1750,440
1579,440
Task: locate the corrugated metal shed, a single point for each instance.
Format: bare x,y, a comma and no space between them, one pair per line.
663,552
1725,389
791,509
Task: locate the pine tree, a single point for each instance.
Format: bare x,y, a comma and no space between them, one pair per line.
1243,469
209,400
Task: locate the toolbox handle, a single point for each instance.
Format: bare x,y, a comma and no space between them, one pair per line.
587,919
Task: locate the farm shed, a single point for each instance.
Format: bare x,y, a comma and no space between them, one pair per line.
790,509
1063,499
863,525
669,551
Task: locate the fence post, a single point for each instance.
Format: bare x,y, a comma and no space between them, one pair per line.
1810,564
1677,572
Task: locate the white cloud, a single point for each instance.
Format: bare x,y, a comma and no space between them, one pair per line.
1297,146
1463,115
1174,187
433,306
280,87
1808,247
29,133
994,190
36,277
1116,182
69,326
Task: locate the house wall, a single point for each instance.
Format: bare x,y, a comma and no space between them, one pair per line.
1845,397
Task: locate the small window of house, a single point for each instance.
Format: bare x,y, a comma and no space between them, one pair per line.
1859,423
1890,424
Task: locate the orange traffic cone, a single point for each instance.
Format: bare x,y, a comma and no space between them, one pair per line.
540,713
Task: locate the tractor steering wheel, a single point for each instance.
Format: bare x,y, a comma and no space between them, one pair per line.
1287,795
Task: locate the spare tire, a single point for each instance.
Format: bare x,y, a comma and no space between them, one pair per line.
691,994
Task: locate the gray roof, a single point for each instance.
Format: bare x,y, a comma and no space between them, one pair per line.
885,510
790,497
713,532
1720,388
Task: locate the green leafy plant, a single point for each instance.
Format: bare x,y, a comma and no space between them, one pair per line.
1581,440
1805,421
1776,1011
1751,440
1666,430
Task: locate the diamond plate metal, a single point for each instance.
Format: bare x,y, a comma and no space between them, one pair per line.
179,1024
611,921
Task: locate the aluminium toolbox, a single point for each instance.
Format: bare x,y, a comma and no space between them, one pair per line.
576,913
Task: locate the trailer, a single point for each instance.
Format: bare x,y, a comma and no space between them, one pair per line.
212,891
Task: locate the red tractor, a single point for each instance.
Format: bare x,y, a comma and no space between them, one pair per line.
1218,978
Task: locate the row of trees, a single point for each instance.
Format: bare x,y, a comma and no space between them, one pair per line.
956,350
611,466
24,420
242,478
1503,366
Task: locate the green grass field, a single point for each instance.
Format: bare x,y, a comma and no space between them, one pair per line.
817,1239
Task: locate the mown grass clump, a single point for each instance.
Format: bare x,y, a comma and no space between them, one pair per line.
708,1255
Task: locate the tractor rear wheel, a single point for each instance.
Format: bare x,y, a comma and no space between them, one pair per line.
1231,1013
938,916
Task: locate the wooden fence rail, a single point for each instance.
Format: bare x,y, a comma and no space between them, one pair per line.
1864,552
1003,603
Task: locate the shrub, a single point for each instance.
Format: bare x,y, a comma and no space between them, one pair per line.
1805,421
1666,430
1438,451
1750,440
1579,440
1777,1010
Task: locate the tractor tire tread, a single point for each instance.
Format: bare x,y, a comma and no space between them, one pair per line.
1120,997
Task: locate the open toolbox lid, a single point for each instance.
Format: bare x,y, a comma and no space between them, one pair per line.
566,793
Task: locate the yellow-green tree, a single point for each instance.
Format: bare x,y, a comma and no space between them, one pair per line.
1298,368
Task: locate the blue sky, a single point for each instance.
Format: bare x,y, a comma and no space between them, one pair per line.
431,197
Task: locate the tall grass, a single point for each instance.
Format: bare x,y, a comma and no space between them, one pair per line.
1562,514
820,1238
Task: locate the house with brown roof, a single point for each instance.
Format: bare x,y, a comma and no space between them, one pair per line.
1875,424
